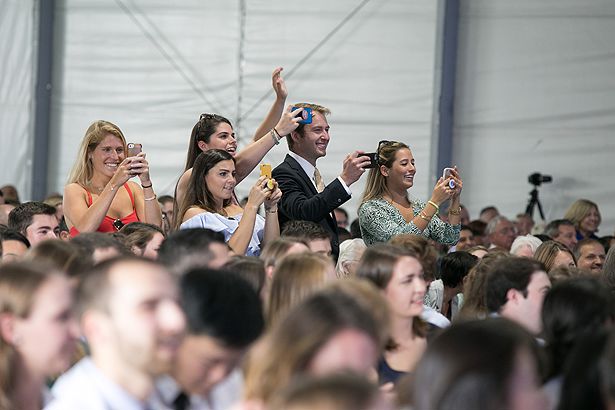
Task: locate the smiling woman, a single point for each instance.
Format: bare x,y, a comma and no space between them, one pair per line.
99,195
208,203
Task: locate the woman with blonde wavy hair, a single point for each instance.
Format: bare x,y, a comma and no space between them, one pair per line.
99,195
38,334
553,254
585,216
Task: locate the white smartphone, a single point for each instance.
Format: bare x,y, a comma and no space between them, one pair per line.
446,174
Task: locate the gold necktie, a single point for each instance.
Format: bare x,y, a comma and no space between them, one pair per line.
320,184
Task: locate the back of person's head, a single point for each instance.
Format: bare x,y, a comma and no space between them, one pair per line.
607,372
139,234
249,268
10,194
63,256
509,273
579,209
571,311
296,277
83,169
477,227
202,132
548,251
324,111
11,235
608,269
277,248
552,228
351,251
221,305
355,229
376,184
563,273
606,241
99,245
474,365
475,287
189,248
425,252
341,391
455,266
288,349
305,230
21,216
525,245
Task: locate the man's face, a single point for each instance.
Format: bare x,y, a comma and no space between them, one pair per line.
340,217
145,323
320,246
591,257
312,143
567,235
42,227
13,250
504,234
202,363
466,240
528,308
167,211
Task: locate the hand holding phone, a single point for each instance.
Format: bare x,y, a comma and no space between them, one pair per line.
373,159
447,174
306,114
266,172
134,149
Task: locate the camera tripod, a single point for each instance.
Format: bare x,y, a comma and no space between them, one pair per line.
534,201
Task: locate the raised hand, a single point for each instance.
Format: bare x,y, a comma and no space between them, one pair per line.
354,166
279,86
258,193
288,122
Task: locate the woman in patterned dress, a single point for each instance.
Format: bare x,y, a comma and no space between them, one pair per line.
386,209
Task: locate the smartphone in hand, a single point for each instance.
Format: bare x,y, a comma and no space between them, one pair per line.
306,114
373,159
134,149
447,174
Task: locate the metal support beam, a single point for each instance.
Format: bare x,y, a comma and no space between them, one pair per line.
42,110
446,106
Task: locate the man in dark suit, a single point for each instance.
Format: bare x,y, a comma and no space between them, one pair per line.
304,194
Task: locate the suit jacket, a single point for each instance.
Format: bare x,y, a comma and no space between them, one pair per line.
301,201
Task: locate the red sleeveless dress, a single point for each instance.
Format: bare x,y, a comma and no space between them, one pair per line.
107,225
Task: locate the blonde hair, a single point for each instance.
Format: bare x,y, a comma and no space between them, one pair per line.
287,349
547,252
296,277
376,184
83,170
579,210
19,282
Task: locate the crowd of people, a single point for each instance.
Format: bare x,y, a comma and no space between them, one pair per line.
114,298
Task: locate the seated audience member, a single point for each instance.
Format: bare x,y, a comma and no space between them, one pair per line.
64,233
524,224
474,287
341,217
208,203
213,131
38,334
608,271
193,248
351,251
466,239
563,231
250,269
129,315
445,294
479,365
100,246
166,206
343,234
99,195
585,216
305,195
294,279
479,251
345,316
515,289
143,239
223,318
355,229
488,213
13,245
525,245
478,229
607,241
63,256
317,238
563,273
5,209
553,254
386,209
572,310
343,391
500,233
35,220
590,255
275,250
398,273
10,194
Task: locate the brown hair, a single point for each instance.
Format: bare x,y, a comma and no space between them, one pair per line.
324,111
425,252
376,184
547,252
205,127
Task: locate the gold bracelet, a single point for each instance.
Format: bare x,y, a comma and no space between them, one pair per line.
424,216
150,199
432,203
455,211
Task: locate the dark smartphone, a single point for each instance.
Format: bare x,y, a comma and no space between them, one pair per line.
373,158
306,114
134,149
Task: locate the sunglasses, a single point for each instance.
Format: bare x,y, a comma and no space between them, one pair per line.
118,224
381,144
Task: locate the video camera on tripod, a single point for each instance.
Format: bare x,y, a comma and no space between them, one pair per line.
536,179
